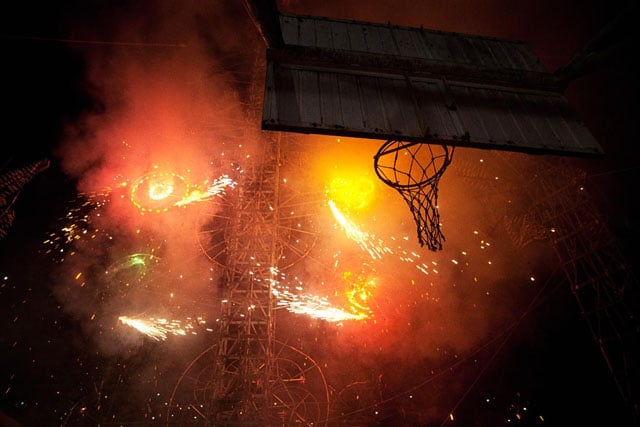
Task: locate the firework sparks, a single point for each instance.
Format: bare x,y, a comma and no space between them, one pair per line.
314,306
160,191
377,248
159,328
139,261
217,188
78,225
367,242
358,293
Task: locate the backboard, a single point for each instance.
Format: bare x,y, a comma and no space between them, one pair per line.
388,82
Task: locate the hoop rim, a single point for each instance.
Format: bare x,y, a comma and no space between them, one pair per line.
432,180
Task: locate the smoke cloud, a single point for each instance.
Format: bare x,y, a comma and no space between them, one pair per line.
163,103
170,92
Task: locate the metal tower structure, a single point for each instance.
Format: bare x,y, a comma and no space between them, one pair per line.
596,270
253,379
248,377
549,202
557,207
244,364
11,184
240,392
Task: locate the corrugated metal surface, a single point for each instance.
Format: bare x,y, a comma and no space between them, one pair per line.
310,97
407,42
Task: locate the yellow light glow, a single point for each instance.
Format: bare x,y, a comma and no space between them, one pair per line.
161,188
352,192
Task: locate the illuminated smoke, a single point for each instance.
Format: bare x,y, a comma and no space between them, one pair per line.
174,109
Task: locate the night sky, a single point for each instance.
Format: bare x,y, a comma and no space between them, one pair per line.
104,89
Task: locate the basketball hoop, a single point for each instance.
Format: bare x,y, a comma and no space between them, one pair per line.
414,170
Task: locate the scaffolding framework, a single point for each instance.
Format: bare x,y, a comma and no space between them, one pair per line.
596,270
244,362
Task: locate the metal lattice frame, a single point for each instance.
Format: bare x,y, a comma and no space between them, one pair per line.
246,378
596,271
11,184
243,366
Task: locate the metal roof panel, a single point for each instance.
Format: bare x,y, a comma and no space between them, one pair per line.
385,81
392,106
408,42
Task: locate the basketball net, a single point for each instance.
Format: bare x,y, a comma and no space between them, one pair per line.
414,170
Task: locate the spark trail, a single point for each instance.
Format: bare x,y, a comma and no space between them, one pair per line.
159,328
367,242
314,306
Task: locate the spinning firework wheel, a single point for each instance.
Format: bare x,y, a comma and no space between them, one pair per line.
298,394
